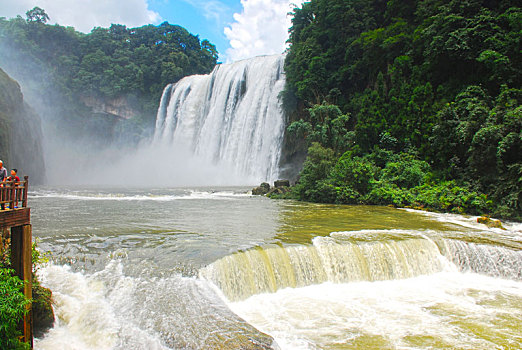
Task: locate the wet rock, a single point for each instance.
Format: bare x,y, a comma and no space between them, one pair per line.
489,222
261,190
281,183
278,190
43,314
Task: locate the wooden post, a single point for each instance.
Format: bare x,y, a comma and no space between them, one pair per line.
21,260
26,187
2,195
12,194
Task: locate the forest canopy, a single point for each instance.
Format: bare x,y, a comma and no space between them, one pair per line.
409,103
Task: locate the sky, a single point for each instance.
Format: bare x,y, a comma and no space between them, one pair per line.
239,28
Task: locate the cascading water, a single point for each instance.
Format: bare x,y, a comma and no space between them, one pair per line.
266,270
230,118
486,259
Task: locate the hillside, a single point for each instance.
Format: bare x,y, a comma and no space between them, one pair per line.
413,103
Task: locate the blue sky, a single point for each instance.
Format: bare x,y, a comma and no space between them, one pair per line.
204,18
239,29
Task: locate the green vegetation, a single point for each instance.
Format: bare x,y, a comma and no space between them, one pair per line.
413,103
13,301
65,67
12,310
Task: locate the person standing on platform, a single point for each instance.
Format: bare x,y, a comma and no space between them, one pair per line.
3,172
14,177
3,178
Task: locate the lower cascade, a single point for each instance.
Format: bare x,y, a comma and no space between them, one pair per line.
231,117
266,270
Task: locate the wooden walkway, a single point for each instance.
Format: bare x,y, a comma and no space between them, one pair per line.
15,226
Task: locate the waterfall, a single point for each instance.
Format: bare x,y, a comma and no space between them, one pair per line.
485,259
230,118
266,270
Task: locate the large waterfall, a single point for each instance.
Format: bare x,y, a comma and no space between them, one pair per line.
231,118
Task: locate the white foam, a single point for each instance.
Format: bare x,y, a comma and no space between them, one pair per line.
93,196
85,314
511,229
387,314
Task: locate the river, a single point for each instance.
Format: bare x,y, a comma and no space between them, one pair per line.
217,268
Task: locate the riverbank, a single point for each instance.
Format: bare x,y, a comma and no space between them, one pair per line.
390,179
287,193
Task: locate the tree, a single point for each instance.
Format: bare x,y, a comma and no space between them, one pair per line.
37,15
438,81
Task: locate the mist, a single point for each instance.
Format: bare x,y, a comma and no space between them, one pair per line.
147,165
220,129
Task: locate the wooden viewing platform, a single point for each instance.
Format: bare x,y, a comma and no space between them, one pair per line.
15,227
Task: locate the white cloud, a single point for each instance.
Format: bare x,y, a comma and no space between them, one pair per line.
86,14
261,29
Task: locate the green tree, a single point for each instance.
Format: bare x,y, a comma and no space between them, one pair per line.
37,15
429,94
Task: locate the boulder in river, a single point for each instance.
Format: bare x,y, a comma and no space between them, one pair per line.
489,222
43,314
281,183
261,190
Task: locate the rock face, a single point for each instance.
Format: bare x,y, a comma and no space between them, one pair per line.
20,132
124,107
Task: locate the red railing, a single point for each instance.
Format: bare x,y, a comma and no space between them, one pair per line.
13,194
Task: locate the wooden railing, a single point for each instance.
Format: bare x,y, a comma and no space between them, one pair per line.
15,216
13,194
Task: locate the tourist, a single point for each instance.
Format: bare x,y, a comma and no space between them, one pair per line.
3,171
14,177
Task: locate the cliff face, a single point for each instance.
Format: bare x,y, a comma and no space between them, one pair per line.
124,107
20,132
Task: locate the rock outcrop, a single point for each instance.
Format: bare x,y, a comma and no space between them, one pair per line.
123,107
282,183
489,222
20,132
280,187
261,189
43,314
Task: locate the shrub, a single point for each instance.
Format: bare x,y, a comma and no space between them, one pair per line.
356,173
312,185
12,310
406,172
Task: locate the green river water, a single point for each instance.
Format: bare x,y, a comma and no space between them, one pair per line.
217,268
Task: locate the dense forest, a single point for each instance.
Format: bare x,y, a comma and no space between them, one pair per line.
409,103
65,70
